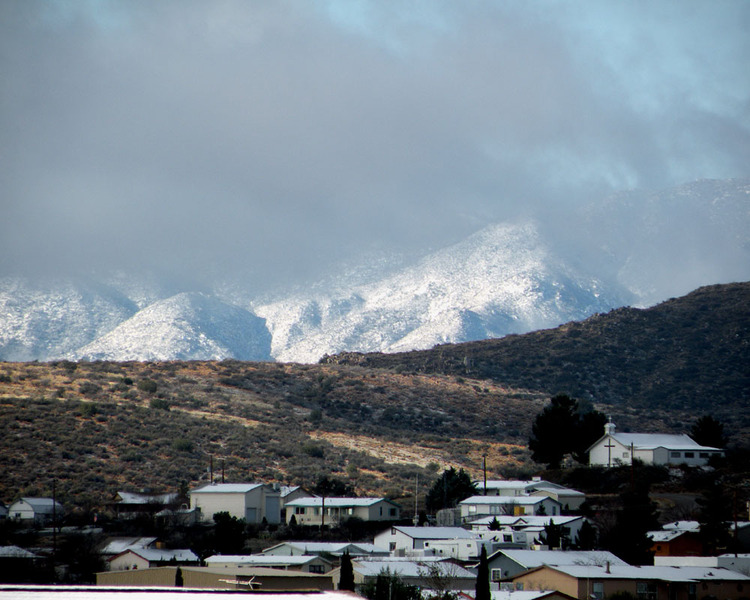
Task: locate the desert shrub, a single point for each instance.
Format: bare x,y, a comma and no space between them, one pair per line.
147,385
87,388
182,445
159,403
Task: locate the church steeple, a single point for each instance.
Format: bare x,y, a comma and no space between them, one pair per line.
609,427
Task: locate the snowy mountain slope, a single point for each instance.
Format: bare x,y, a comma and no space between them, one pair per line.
188,326
51,318
501,280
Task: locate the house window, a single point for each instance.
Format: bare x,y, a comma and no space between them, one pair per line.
597,590
692,593
645,590
316,568
675,454
496,574
391,546
299,510
507,537
519,586
393,531
392,512
704,455
626,454
472,508
689,454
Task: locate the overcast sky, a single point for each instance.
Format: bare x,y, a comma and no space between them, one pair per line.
274,138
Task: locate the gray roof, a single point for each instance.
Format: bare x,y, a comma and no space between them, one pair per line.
133,498
536,558
506,500
42,505
227,488
118,545
689,574
411,568
158,555
15,552
647,441
262,560
435,533
337,502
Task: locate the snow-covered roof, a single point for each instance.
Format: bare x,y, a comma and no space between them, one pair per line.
526,520
648,441
506,500
285,490
683,574
42,505
410,568
683,525
15,552
520,594
118,545
159,555
227,488
435,533
536,558
663,535
335,548
133,498
261,560
336,502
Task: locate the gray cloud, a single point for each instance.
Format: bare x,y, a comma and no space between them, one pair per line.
272,140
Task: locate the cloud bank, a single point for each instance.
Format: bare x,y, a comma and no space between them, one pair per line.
271,141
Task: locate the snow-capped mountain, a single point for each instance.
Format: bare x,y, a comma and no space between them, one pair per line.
43,319
188,326
501,280
632,248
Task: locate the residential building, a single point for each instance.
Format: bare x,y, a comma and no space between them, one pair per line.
406,539
422,573
250,501
525,532
570,499
644,583
675,542
651,448
733,562
319,511
508,563
237,578
40,511
486,506
336,549
129,505
145,558
307,564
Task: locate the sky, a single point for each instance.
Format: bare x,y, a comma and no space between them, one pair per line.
274,140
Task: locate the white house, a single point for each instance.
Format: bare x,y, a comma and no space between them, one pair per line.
250,501
37,510
406,539
652,448
144,558
317,511
523,532
567,497
485,506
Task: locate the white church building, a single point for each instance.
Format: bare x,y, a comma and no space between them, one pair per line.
614,449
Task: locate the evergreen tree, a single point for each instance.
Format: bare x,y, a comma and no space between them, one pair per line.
346,581
715,514
447,491
628,539
482,590
178,579
553,536
707,431
586,537
561,429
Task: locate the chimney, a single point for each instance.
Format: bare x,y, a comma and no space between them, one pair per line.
606,568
